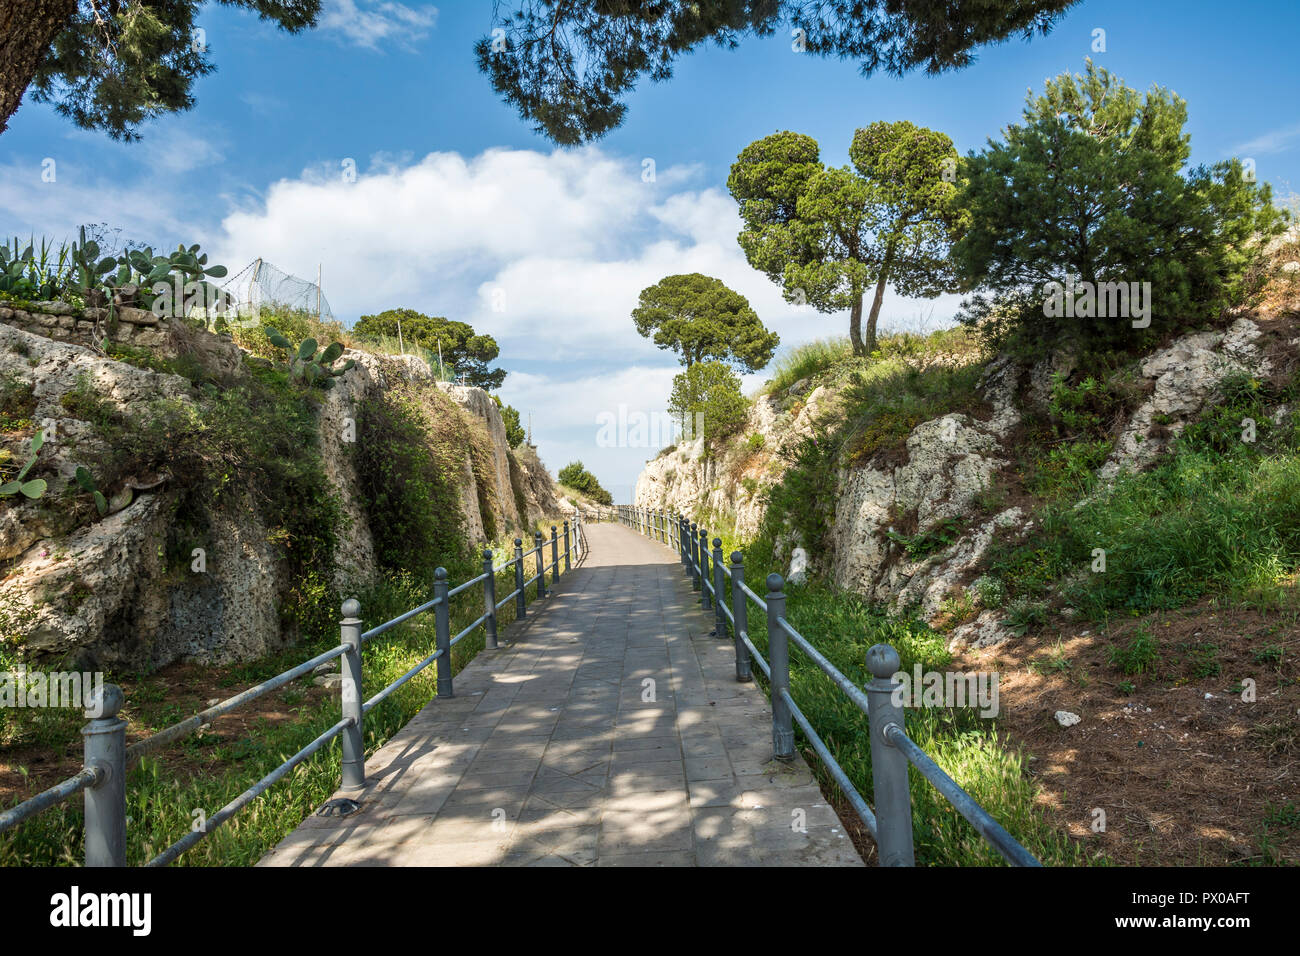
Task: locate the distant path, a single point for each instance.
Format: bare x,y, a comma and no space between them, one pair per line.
549,756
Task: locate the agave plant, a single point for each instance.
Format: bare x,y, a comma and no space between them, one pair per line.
31,489
306,364
26,273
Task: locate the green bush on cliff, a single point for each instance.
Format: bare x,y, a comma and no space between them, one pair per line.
410,443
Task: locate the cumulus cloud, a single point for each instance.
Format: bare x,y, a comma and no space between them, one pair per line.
371,25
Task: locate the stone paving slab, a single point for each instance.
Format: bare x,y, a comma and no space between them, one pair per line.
608,730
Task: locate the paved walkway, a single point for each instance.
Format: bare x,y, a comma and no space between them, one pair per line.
610,731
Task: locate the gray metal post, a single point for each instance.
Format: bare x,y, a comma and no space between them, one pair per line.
442,632
694,566
719,588
555,556
521,603
704,570
540,548
104,743
353,738
778,654
489,603
888,764
740,611
567,548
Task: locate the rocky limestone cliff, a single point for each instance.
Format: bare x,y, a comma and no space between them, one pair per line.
949,461
97,591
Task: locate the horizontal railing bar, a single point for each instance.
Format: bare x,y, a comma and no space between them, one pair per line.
88,777
832,765
174,851
482,617
365,708
188,726
754,655
728,612
855,694
470,583
400,619
513,594
752,596
961,801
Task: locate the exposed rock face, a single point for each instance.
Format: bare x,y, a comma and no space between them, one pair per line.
97,591
950,460
686,480
479,404
1186,375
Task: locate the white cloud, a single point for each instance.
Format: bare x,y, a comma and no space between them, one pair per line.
1274,141
370,24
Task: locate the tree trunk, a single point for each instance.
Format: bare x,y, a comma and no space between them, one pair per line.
27,28
870,345
855,326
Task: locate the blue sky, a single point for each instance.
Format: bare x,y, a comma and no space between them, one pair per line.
460,209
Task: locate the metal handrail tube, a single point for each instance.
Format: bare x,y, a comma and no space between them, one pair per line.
832,765
174,851
961,801
88,777
753,597
727,611
461,587
191,724
851,689
755,656
481,618
400,619
366,707
509,597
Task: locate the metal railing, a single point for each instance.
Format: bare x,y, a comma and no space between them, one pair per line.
107,757
892,751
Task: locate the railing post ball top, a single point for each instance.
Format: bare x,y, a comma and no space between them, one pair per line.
778,649
442,633
520,601
719,587
740,617
104,751
352,739
888,763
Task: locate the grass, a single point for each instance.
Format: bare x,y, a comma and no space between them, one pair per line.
1218,515
210,771
843,626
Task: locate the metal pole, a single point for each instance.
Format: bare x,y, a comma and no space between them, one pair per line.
521,604
719,589
555,556
353,739
442,632
104,743
489,603
681,542
778,651
567,547
706,584
740,611
541,564
888,763
694,566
